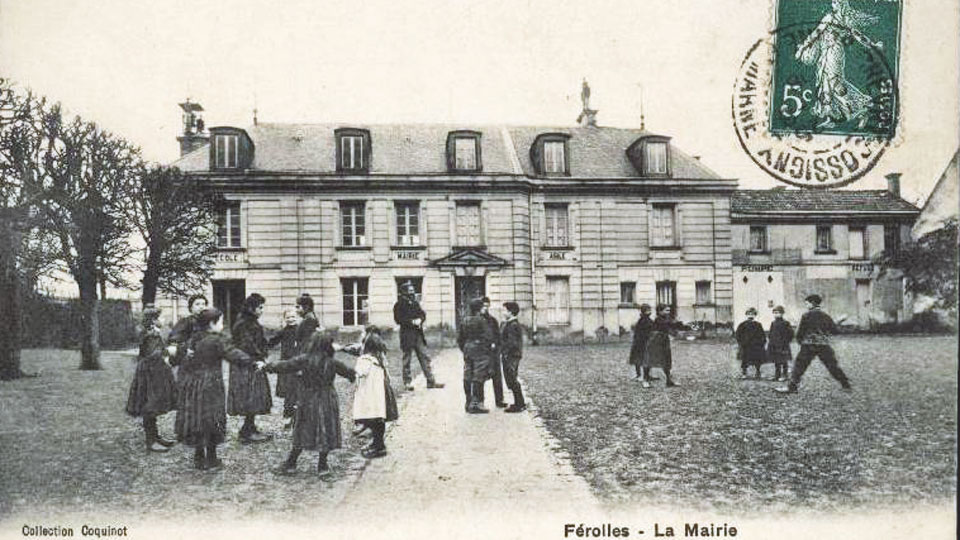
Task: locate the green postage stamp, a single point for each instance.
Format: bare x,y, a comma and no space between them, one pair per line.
835,67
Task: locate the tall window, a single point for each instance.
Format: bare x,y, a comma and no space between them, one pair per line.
554,157
667,294
824,238
408,223
465,153
558,300
468,224
858,243
758,239
557,228
227,151
665,225
704,296
354,301
228,225
628,292
891,239
655,157
352,224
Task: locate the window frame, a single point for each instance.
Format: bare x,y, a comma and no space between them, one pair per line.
452,138
829,235
864,242
709,294
229,150
648,144
556,244
227,210
456,218
365,150
629,299
765,241
407,240
538,154
360,314
655,241
670,285
359,217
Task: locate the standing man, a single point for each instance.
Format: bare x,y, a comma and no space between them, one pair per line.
496,366
511,339
409,315
813,334
475,341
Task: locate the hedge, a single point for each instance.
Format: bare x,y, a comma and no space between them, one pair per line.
54,322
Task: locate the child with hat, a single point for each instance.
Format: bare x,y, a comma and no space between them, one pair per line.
814,333
778,346
751,341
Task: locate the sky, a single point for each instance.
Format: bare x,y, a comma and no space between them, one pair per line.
126,64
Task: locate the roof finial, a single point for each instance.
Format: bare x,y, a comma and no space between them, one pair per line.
588,116
641,105
254,116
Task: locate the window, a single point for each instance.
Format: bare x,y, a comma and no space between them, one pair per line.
665,225
352,224
554,157
228,225
353,150
704,296
655,157
758,239
354,301
408,223
226,153
891,239
468,224
463,151
558,300
557,225
824,239
667,295
858,243
628,292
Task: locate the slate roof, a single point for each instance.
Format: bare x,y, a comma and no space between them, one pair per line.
411,149
780,201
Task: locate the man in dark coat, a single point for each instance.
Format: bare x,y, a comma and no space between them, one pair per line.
511,350
813,334
751,341
641,334
496,367
476,341
249,390
410,316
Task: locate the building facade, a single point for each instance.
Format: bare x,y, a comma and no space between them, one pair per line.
579,225
790,243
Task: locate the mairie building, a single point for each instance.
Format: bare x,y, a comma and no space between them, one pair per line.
579,225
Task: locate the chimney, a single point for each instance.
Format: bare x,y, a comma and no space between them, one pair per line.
193,136
588,116
893,184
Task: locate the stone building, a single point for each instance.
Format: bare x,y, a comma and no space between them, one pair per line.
579,224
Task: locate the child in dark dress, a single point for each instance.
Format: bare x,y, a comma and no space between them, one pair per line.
658,354
153,391
778,346
287,382
202,419
317,421
751,341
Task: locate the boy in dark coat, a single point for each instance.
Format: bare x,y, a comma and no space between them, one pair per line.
641,334
751,341
814,333
778,345
249,392
511,350
476,340
496,366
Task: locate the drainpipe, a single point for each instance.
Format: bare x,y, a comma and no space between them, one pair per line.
533,265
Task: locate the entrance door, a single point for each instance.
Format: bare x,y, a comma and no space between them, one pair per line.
228,295
760,290
467,288
863,302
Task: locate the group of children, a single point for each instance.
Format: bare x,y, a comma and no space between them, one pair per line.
755,348
307,370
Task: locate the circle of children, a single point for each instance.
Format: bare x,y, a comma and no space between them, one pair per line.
306,373
651,345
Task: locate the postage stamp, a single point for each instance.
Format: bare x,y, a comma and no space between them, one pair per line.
815,103
835,67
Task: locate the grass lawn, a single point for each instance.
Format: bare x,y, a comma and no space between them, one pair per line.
737,446
68,447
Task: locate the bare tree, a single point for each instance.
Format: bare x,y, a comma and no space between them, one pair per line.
176,218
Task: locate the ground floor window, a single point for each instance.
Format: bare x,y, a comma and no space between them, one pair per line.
667,295
354,301
627,292
704,296
558,300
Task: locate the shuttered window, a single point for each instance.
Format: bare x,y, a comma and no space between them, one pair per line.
468,224
558,300
665,225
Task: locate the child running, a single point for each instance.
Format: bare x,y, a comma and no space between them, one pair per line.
814,332
374,403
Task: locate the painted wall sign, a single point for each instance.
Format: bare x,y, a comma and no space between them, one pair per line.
232,257
557,255
408,255
757,268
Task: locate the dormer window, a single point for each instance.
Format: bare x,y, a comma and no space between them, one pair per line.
230,149
353,150
650,155
549,154
463,151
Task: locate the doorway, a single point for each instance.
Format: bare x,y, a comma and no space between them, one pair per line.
228,295
759,290
863,303
467,288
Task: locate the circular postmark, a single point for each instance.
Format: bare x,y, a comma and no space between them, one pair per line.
812,119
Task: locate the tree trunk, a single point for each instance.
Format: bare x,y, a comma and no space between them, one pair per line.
151,278
89,320
11,329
